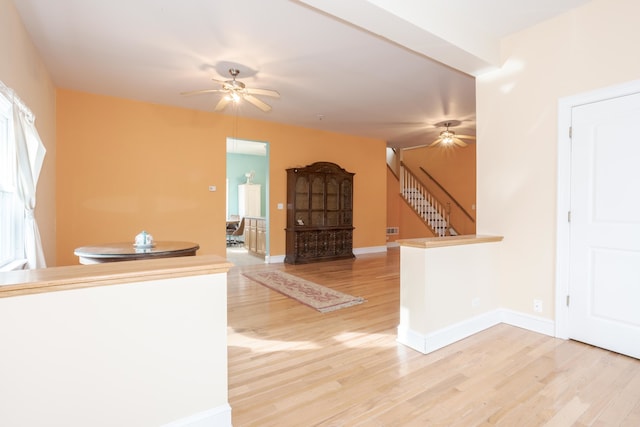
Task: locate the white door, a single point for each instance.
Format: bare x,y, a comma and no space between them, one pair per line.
604,284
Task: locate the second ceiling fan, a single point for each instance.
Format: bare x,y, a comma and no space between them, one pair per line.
235,90
449,137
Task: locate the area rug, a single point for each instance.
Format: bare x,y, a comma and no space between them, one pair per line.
308,293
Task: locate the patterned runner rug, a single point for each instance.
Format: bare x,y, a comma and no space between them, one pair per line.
308,293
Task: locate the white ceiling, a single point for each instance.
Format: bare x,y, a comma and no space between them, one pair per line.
362,67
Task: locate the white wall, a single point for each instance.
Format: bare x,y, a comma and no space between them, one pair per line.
447,293
134,354
22,70
590,47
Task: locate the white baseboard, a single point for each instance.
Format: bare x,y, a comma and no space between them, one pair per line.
215,417
412,339
356,251
528,322
274,259
426,343
393,245
369,250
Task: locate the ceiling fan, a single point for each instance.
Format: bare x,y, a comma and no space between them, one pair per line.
449,137
235,90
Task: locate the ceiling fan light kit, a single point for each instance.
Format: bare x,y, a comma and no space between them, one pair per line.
449,138
446,137
232,96
235,91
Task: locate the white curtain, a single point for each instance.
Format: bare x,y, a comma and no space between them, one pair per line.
30,154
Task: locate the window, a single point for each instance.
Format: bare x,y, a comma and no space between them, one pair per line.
11,208
21,155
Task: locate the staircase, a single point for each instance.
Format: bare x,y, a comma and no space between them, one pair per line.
422,204
432,212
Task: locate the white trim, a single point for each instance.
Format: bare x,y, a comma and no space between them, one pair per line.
526,321
369,250
565,106
393,245
215,417
412,339
17,264
358,251
274,259
563,204
448,335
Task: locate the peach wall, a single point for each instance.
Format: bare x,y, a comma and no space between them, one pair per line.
22,69
589,47
125,166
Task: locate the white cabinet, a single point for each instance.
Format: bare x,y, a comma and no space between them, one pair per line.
249,200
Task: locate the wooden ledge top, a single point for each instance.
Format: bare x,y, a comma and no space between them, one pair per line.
437,242
127,249
25,282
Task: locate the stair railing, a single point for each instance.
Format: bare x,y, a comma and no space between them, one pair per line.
416,194
444,190
393,161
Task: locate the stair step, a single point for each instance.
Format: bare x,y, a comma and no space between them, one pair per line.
427,211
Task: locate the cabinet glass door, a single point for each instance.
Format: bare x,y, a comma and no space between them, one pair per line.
317,200
333,202
302,201
302,193
346,201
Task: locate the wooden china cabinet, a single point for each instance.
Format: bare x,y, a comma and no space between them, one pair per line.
319,213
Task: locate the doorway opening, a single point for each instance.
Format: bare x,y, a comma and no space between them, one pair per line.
247,191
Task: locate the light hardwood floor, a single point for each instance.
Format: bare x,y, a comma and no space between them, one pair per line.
290,365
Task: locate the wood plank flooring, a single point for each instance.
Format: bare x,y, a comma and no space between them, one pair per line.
290,365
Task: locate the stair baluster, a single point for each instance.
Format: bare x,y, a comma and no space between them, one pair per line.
433,213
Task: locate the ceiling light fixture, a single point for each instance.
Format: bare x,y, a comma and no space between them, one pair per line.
450,138
447,137
232,96
235,91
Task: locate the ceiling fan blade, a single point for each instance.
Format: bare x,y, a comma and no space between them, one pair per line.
465,136
222,103
258,103
436,142
459,142
264,92
198,92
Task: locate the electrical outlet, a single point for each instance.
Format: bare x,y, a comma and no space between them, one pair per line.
475,302
537,305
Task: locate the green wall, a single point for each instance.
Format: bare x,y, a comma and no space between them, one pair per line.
237,166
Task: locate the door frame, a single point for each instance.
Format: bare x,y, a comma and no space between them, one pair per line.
267,189
563,230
